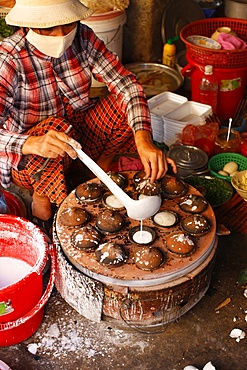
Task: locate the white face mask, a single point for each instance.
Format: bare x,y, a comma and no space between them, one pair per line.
54,46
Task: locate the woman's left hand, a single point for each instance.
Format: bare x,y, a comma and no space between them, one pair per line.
153,159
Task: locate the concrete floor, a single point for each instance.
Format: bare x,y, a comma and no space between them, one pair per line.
66,340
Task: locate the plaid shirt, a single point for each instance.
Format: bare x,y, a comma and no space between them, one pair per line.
32,87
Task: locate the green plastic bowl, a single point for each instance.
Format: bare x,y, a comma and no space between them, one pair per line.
218,161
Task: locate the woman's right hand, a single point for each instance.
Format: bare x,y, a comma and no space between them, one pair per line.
51,145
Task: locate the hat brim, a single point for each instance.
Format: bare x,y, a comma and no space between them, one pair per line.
48,15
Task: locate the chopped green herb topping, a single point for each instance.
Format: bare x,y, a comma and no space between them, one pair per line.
218,191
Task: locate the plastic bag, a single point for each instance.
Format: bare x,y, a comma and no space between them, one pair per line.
202,137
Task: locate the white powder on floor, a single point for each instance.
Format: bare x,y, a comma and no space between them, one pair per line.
71,335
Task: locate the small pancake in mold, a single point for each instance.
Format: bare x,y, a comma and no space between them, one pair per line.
165,218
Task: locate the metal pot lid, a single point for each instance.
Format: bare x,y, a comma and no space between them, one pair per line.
178,14
156,78
189,157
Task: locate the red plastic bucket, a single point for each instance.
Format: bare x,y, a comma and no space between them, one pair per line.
22,303
232,84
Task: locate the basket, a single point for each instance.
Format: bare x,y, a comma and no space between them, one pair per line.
218,161
217,58
4,11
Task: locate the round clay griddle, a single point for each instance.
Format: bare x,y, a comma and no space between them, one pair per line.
128,274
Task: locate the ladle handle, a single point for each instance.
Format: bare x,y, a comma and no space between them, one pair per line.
102,175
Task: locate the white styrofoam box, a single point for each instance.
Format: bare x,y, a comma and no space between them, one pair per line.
170,113
165,102
159,106
189,112
172,129
157,128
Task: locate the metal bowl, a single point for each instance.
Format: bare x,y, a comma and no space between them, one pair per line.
156,78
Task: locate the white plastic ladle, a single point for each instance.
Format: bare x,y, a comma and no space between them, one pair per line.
136,209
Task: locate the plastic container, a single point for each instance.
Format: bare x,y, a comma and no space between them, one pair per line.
159,106
209,88
190,112
238,181
15,204
222,145
230,66
181,62
205,42
218,161
227,30
109,28
22,302
232,83
165,102
217,58
171,112
169,52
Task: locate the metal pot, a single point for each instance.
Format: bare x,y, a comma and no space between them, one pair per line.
236,9
156,78
190,160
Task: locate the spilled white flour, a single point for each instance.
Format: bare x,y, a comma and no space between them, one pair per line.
82,340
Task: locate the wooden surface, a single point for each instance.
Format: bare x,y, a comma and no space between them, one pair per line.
233,214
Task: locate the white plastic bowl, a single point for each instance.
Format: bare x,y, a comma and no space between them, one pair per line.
237,177
204,42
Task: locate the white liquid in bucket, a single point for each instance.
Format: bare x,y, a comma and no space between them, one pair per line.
12,270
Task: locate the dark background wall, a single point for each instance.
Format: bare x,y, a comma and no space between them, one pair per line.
142,41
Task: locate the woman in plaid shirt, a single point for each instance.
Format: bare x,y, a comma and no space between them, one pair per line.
45,78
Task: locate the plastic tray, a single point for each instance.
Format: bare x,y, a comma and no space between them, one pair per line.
189,112
218,161
165,102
